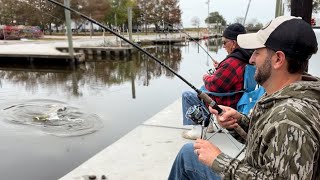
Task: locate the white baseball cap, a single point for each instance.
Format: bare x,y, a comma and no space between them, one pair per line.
289,34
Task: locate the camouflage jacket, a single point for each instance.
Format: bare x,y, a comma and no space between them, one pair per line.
283,137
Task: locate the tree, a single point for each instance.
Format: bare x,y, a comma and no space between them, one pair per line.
119,11
215,17
171,11
160,12
8,11
149,12
258,26
96,9
253,21
195,21
239,20
254,25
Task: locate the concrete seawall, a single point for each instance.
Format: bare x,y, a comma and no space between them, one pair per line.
147,152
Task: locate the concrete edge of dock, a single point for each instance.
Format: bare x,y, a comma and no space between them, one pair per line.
146,152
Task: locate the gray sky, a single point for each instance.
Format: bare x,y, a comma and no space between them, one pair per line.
261,10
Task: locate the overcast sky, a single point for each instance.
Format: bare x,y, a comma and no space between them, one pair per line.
261,10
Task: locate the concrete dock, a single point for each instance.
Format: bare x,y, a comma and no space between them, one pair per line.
102,53
85,48
147,152
35,52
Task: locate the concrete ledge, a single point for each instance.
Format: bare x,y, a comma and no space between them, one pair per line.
147,152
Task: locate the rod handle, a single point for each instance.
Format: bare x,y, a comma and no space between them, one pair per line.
207,99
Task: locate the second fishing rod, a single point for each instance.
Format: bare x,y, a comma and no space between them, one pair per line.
205,97
210,71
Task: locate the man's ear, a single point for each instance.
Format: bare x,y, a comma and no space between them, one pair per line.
280,60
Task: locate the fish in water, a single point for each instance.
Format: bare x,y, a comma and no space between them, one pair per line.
52,114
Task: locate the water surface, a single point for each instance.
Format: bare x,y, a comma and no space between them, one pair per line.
104,100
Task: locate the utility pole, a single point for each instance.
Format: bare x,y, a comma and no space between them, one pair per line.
245,17
68,26
208,24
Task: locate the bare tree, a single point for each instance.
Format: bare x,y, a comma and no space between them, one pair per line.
160,12
195,21
239,20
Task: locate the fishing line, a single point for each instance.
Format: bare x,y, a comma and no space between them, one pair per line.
205,97
190,37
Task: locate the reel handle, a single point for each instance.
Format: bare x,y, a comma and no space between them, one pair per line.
207,99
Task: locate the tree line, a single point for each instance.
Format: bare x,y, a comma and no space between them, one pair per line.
110,12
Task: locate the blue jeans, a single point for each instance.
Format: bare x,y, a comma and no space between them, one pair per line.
187,166
189,98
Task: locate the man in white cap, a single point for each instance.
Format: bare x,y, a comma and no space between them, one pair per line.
283,140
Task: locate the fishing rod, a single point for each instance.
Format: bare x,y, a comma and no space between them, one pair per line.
205,97
211,70
190,37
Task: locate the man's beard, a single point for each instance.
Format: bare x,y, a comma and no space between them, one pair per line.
264,71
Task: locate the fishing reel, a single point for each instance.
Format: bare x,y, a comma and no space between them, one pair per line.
210,71
198,114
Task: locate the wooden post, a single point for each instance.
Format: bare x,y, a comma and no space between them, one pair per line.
91,28
302,9
130,22
69,32
277,13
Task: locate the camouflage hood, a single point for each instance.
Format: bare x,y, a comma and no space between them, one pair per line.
283,140
306,90
290,112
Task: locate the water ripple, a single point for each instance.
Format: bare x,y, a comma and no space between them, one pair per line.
52,117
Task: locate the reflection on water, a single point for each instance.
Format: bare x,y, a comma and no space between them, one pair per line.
99,73
214,44
52,117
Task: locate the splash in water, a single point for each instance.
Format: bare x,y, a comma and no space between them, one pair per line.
53,117
54,113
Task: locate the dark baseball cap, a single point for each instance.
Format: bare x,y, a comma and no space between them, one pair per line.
289,34
232,31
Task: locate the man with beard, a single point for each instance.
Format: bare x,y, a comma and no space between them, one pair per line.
284,128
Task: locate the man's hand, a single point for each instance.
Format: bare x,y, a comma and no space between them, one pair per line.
206,151
229,118
215,64
205,77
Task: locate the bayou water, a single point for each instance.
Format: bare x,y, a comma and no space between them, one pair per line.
103,101
99,102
